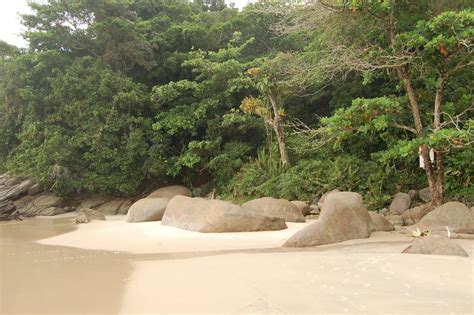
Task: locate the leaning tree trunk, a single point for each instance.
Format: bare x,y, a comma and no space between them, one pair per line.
279,133
435,181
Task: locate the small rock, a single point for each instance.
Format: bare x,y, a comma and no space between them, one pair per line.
303,206
425,194
124,207
435,245
412,193
381,224
400,203
384,211
110,207
312,217
414,215
396,220
87,215
314,209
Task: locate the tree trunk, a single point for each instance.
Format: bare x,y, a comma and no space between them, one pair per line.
279,133
436,186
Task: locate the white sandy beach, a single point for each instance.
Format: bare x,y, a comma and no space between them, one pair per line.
188,272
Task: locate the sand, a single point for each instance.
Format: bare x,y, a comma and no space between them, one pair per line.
177,271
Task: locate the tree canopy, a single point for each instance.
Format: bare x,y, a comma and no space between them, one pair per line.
285,98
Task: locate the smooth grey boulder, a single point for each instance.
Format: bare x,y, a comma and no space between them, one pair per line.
170,191
303,206
381,224
216,216
343,217
435,245
279,208
414,215
400,203
87,215
395,219
147,209
454,215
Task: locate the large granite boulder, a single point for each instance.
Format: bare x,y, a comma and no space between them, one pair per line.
279,208
400,203
147,209
453,215
216,216
303,206
14,191
171,191
47,205
435,245
325,195
381,224
343,217
87,215
414,215
425,194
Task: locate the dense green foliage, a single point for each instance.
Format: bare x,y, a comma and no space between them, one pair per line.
112,97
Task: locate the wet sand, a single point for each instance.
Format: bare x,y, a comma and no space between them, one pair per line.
50,266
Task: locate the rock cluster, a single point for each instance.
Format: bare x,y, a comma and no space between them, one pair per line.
23,197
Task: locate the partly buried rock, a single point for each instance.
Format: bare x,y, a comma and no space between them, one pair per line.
381,224
425,194
87,215
147,209
303,206
454,215
400,203
279,208
215,216
43,205
395,219
414,215
16,190
343,217
435,245
170,191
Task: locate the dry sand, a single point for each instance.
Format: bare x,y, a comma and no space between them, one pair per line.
177,271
